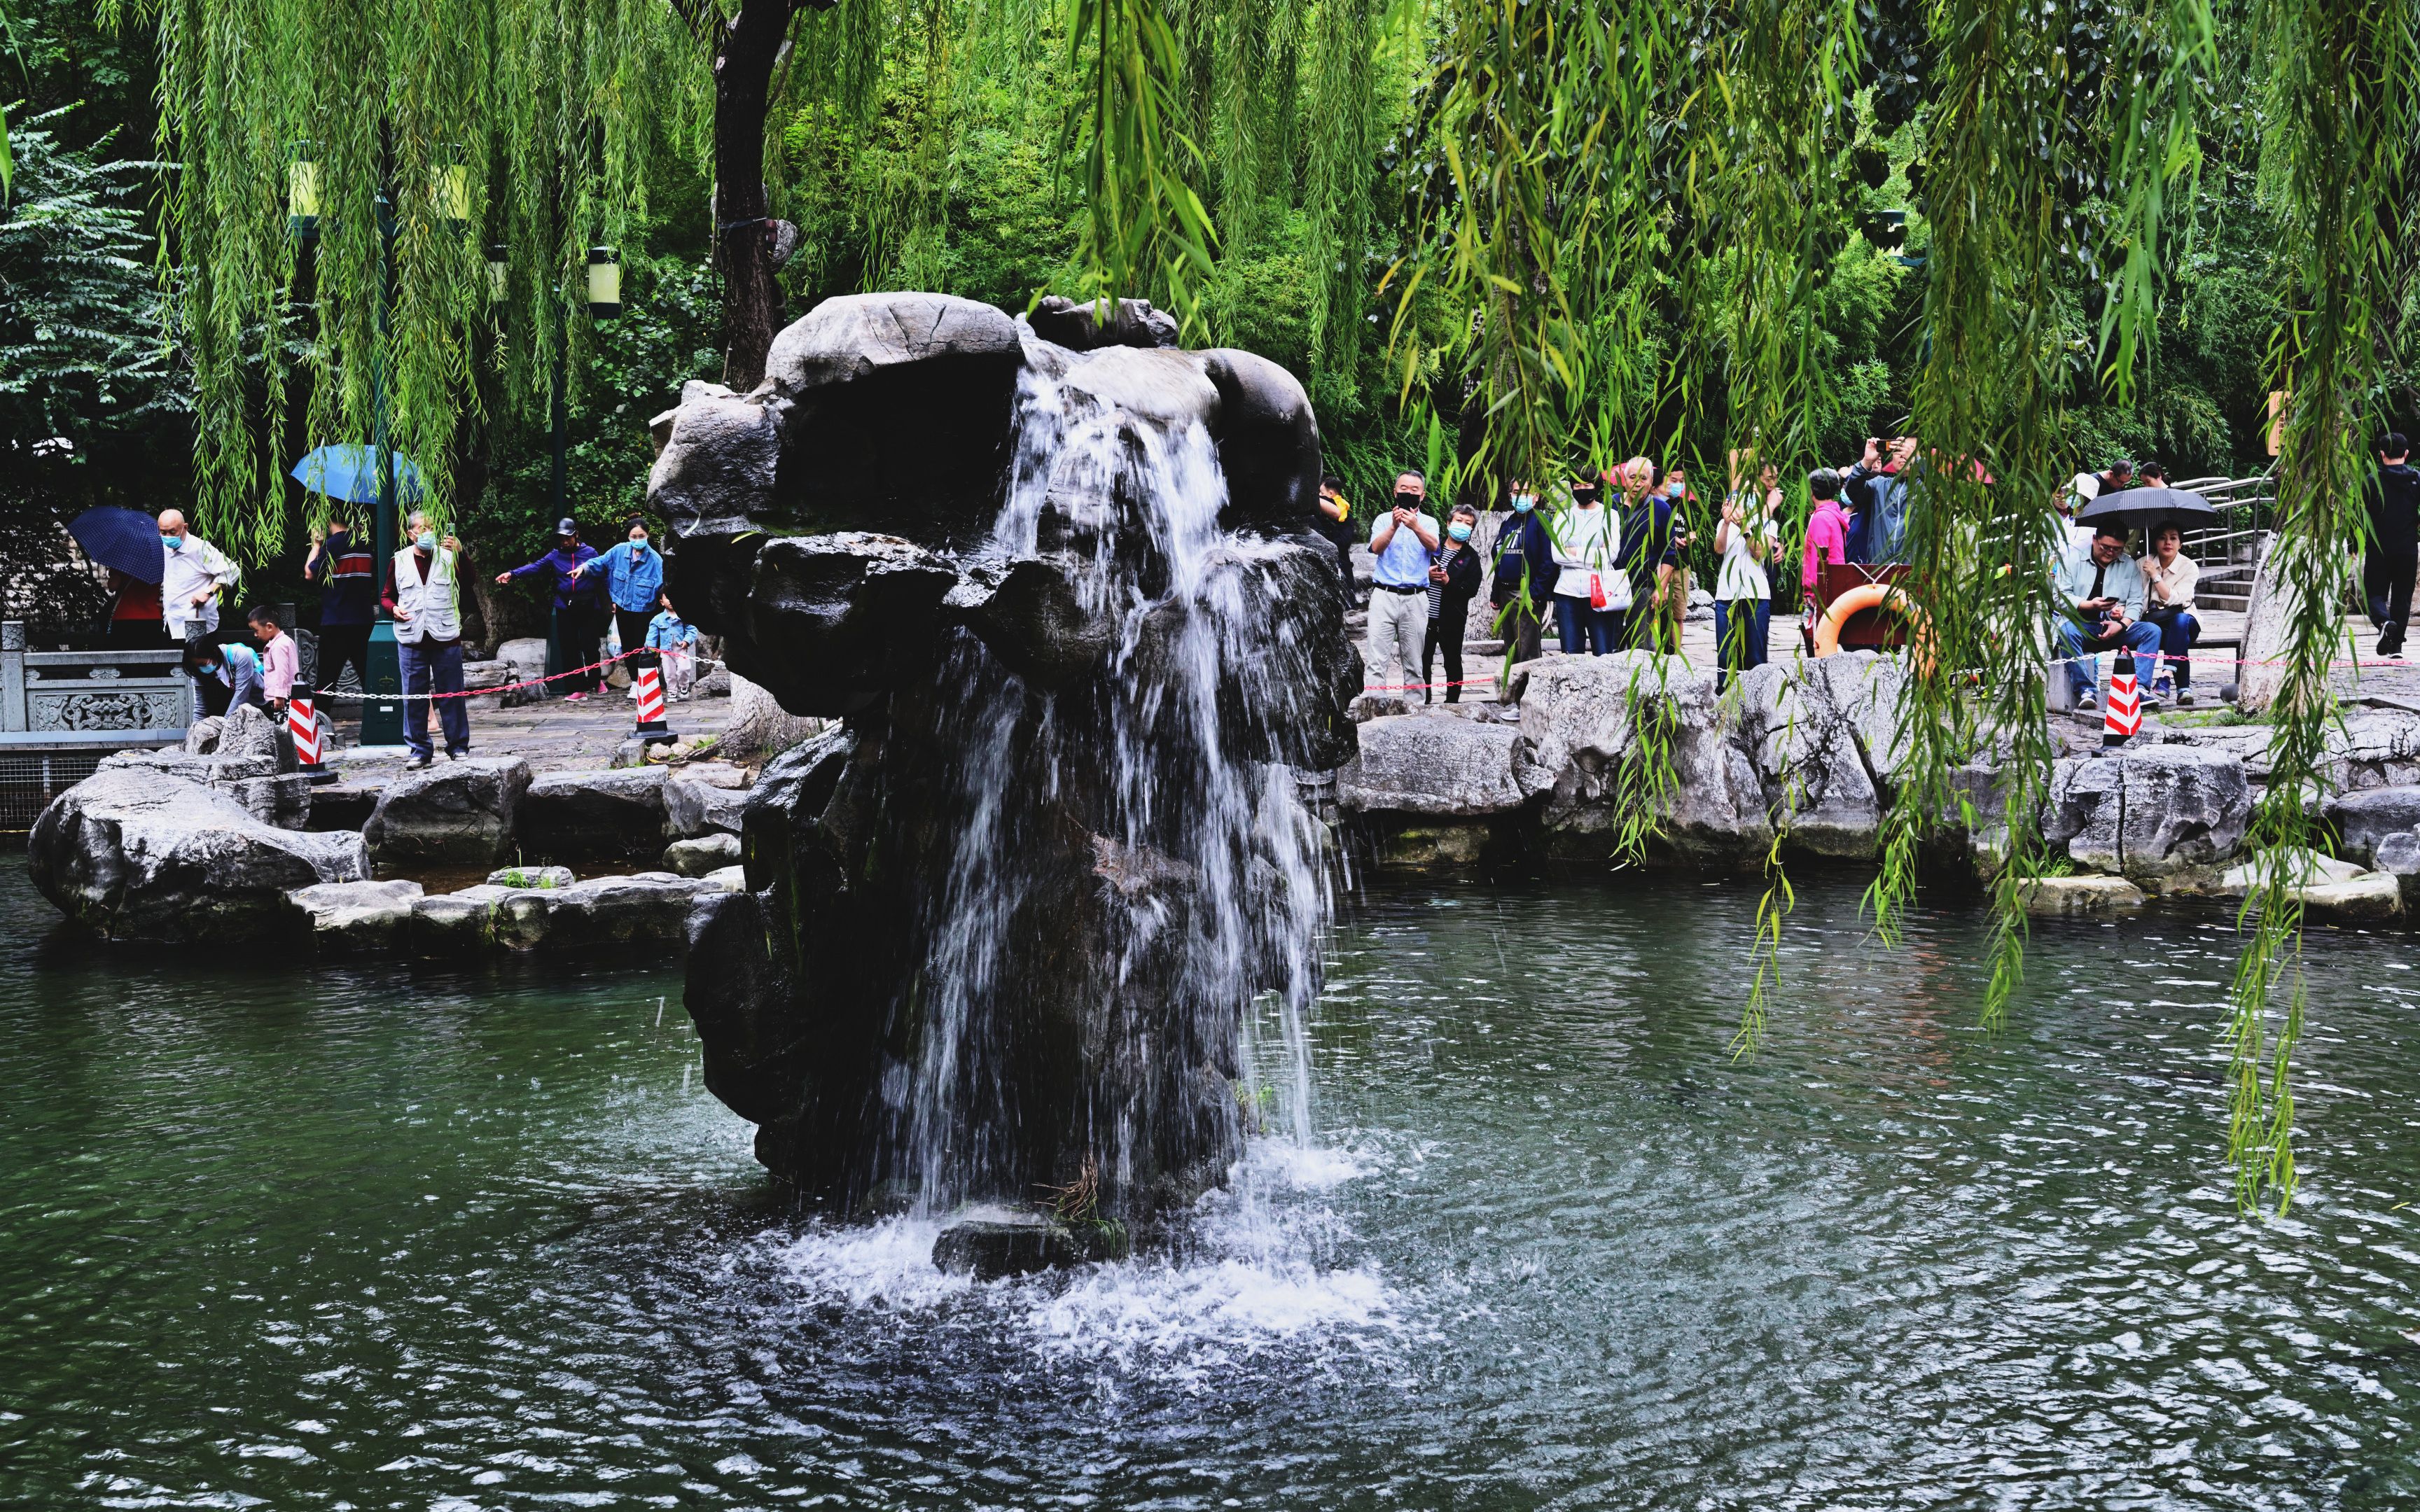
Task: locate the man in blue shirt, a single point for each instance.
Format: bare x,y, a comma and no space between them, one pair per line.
634,579
1399,606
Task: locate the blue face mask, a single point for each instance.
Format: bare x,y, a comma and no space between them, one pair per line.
1523,503
426,541
173,543
1458,531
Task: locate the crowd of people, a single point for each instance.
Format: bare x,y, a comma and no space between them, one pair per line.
1605,564
420,591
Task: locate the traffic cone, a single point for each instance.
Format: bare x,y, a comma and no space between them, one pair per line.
647,672
2125,716
303,728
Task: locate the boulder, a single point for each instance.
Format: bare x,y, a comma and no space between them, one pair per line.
2183,810
704,854
834,622
139,855
544,878
904,402
202,735
2362,820
248,732
2398,857
694,807
1268,442
1076,326
2372,898
1031,612
1813,757
759,725
353,916
650,910
465,813
2304,868
729,878
2150,813
2081,896
524,662
587,815
1584,716
1003,1244
284,800
1432,764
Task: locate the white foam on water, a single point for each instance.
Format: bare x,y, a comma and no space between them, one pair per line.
1252,1278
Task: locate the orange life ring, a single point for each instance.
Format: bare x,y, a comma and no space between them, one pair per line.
1856,601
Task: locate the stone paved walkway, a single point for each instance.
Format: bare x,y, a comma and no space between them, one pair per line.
553,736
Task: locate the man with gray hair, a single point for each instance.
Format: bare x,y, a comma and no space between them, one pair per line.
425,598
191,573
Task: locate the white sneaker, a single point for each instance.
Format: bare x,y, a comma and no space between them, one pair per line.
2087,703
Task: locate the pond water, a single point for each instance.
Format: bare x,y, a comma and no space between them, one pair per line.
391,1237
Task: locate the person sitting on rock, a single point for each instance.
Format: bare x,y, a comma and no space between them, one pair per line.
2171,576
1454,582
2104,593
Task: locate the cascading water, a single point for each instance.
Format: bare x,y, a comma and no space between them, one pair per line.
1212,890
1037,925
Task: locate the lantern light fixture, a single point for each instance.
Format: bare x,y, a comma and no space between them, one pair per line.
499,273
302,190
604,284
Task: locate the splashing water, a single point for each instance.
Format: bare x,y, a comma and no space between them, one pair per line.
1207,873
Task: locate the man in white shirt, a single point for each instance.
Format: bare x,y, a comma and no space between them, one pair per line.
1401,540
191,573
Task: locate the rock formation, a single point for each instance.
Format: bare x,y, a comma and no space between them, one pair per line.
135,853
1003,922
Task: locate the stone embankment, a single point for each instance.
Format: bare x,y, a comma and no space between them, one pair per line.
1808,752
179,847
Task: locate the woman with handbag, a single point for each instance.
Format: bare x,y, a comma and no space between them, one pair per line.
1592,596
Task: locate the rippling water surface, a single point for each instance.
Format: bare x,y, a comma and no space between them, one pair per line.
404,1237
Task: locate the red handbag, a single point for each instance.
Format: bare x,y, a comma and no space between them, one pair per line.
1597,589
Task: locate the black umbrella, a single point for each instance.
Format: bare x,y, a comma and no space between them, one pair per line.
126,539
2143,508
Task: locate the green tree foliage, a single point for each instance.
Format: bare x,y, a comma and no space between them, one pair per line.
89,396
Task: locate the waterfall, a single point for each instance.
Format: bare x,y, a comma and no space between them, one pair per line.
1208,885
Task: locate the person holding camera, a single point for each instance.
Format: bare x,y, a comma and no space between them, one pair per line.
2105,593
1404,541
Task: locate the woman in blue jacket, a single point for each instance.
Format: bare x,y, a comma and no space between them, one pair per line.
634,579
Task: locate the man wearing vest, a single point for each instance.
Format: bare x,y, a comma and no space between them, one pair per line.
426,603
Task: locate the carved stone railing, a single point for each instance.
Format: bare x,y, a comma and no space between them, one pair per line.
105,698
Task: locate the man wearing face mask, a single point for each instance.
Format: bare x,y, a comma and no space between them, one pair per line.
1399,608
634,579
192,575
423,595
1525,558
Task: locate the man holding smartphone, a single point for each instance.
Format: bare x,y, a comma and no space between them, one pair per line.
2105,593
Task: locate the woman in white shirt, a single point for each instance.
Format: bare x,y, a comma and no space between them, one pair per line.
1592,594
1748,537
2172,576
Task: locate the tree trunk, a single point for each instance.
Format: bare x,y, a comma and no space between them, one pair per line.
743,76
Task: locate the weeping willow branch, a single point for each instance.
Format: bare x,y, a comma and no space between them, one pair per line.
1983,533
1145,228
2166,59
2339,98
402,139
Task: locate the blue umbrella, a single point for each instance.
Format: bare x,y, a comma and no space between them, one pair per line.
351,472
125,539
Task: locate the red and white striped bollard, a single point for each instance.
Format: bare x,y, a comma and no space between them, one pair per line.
648,674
